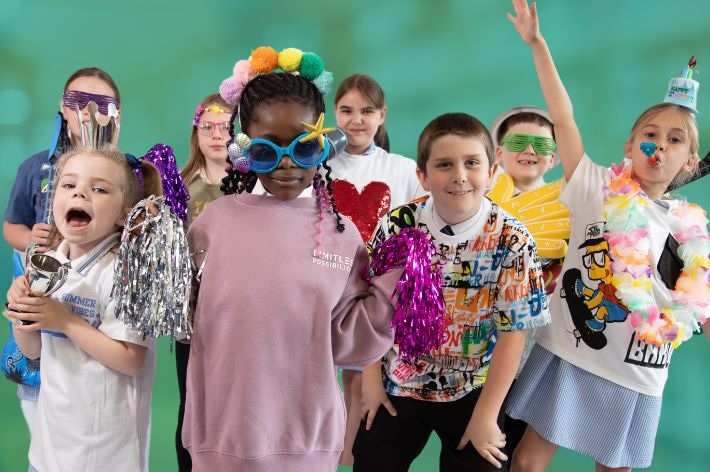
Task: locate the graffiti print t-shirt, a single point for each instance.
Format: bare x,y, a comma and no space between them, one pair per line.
492,282
590,327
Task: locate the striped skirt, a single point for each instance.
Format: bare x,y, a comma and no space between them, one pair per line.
578,410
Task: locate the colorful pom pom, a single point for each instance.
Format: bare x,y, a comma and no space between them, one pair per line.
263,59
290,59
230,90
242,165
234,151
242,140
418,317
323,82
242,73
311,65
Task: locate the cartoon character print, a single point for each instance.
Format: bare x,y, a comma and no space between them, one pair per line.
593,306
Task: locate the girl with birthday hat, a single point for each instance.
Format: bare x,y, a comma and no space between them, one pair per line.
281,296
634,283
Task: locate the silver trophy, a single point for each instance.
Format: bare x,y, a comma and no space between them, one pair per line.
45,275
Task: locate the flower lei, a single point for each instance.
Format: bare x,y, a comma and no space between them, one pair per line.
627,234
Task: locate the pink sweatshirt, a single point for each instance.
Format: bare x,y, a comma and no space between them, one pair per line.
272,322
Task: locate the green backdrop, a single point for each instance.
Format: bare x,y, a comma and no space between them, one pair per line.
431,57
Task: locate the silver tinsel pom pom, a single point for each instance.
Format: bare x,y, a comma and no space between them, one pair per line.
153,273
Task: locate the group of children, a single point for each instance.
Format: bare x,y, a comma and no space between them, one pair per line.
281,228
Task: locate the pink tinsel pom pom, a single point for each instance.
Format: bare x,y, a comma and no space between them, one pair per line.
418,317
230,90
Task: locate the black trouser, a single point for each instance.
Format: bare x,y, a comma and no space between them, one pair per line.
393,442
182,354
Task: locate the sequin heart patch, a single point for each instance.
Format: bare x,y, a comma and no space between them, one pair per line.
363,208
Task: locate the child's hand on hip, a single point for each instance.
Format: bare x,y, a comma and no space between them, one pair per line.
374,395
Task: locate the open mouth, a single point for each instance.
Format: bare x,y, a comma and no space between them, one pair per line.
78,218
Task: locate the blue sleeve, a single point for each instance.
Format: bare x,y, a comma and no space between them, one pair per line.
25,192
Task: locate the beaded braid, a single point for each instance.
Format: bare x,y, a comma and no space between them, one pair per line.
269,88
234,181
329,187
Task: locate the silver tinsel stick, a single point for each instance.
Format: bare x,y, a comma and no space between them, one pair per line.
153,274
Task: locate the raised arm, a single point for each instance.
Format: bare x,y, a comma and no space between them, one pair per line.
569,141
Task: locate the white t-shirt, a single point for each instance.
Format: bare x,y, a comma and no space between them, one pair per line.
90,417
600,339
369,185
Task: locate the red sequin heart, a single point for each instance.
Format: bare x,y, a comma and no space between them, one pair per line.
363,208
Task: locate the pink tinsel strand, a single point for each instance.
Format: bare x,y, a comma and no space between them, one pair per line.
418,317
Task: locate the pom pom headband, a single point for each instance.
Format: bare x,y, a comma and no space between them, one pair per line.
265,59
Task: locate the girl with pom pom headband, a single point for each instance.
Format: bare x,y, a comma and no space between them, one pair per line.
329,317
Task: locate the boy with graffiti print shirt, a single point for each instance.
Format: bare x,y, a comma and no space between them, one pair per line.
493,290
492,282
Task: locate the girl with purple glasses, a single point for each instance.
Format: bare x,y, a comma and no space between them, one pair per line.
24,216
